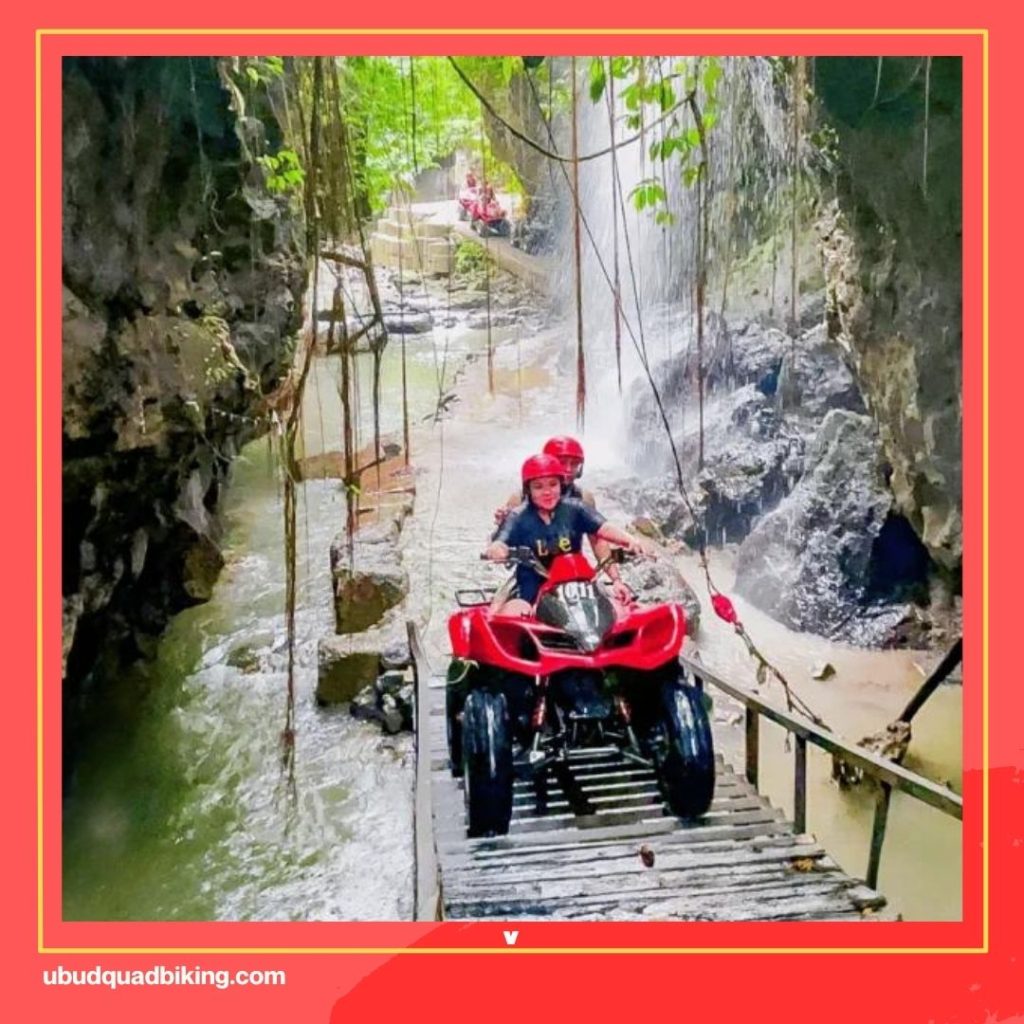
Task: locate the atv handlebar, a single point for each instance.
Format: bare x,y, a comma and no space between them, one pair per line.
523,555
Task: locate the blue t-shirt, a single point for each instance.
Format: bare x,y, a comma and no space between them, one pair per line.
562,536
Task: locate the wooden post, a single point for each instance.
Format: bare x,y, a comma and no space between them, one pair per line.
800,786
752,745
878,833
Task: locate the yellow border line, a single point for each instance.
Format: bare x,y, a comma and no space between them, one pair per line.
984,498
503,951
295,950
513,32
39,483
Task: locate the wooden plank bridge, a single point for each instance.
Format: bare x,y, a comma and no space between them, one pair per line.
594,839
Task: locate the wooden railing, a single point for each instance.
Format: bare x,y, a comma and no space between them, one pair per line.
886,773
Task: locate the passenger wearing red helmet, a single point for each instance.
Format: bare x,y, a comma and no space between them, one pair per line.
549,524
569,453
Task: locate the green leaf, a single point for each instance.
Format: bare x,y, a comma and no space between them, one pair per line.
712,74
690,175
597,78
620,67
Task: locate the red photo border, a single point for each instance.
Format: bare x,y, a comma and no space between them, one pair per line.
982,946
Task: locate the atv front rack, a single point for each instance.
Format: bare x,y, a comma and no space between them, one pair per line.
475,596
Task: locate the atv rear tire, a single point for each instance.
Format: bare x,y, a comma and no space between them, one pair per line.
684,751
487,763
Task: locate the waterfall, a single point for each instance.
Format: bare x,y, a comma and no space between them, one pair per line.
749,166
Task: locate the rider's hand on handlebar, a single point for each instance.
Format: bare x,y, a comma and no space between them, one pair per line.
622,593
496,552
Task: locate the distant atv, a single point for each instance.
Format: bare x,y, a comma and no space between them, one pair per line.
522,692
488,216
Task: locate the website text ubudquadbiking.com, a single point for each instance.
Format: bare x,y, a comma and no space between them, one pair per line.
160,975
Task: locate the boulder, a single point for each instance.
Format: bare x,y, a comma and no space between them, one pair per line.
814,379
348,664
808,563
373,582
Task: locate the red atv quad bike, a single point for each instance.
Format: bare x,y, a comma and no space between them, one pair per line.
488,216
523,691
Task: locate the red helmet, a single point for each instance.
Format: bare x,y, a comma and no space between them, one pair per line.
564,447
537,466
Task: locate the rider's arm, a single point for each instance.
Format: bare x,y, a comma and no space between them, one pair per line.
602,550
509,533
513,502
620,537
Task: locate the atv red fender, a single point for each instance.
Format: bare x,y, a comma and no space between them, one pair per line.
644,639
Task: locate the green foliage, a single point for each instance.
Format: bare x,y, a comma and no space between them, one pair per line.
651,95
284,172
597,78
648,193
377,95
261,70
470,260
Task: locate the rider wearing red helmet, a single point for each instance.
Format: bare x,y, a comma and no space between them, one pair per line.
550,524
569,453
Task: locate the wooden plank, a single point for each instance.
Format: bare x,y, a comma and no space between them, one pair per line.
584,856
682,870
628,890
450,818
768,901
751,837
646,828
